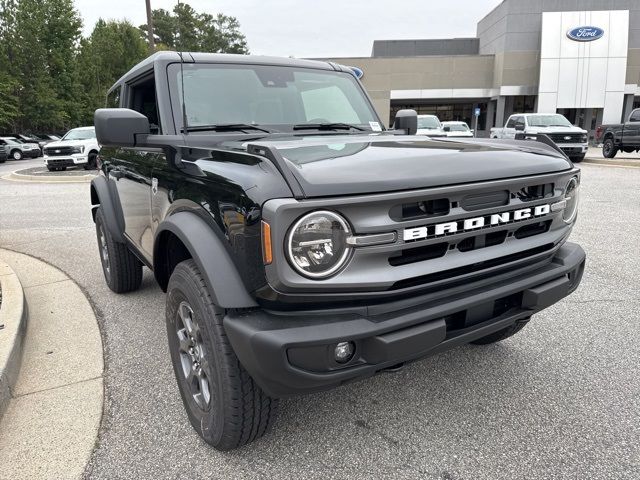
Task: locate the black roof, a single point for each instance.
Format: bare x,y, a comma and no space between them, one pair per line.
166,57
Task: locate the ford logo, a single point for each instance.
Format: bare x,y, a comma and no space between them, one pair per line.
357,72
585,34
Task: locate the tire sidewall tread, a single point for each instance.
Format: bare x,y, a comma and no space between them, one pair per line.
240,412
125,268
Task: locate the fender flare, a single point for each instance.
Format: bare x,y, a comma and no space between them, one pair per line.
209,254
101,196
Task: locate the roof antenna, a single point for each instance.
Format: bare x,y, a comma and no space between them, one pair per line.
185,122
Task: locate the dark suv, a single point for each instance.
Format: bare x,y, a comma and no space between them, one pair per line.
301,244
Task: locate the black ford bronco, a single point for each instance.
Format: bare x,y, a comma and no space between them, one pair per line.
301,244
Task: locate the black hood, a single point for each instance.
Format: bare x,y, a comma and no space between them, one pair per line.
357,164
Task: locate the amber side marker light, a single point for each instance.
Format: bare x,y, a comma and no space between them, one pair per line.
267,255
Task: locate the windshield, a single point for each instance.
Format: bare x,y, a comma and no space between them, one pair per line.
428,122
80,134
457,127
275,96
548,121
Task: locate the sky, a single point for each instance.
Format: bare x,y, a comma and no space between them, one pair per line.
317,28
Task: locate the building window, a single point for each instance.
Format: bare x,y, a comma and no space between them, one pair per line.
461,112
524,104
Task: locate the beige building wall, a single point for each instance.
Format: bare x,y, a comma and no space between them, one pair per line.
633,66
381,75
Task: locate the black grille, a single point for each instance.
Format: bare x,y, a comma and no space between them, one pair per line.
566,137
470,269
58,151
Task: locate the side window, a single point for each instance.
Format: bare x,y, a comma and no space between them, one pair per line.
635,116
143,99
512,122
113,98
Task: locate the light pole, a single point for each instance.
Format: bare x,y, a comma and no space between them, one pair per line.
152,42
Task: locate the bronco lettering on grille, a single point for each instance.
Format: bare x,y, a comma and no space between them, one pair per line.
459,226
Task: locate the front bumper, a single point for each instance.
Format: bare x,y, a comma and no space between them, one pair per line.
292,353
573,149
65,161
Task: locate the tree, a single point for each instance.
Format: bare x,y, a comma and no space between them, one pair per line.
187,30
8,86
110,51
39,47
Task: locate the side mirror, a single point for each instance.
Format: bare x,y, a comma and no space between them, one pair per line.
446,128
406,120
519,127
118,127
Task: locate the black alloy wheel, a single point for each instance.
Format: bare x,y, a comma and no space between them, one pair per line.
609,149
193,357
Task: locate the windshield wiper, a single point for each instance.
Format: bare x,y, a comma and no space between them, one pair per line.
327,126
226,127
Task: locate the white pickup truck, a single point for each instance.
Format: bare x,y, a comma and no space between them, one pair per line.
571,139
78,147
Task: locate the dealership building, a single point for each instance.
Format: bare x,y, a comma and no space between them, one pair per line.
580,58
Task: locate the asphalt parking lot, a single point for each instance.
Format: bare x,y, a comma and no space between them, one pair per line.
559,400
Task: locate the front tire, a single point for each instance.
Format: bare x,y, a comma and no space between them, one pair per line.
122,269
224,404
609,148
502,334
91,161
16,155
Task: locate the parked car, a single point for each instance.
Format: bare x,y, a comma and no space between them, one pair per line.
430,125
457,129
78,147
44,139
572,140
620,136
17,150
298,251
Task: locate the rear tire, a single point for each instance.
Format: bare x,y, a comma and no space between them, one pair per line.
122,269
609,148
502,334
224,404
16,155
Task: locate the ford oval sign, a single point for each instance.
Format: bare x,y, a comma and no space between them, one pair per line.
357,72
585,34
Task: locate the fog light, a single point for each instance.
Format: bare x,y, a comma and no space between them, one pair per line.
344,352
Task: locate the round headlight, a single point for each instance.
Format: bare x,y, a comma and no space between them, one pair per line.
317,244
571,194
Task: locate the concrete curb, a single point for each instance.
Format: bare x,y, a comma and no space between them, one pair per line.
13,322
613,163
19,177
51,424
